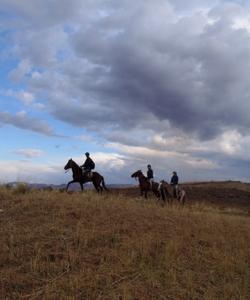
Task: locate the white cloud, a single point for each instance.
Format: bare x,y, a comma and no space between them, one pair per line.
142,151
105,160
230,142
18,74
85,138
25,97
242,23
203,164
28,171
109,160
29,153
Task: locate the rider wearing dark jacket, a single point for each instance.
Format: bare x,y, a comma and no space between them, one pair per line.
174,182
150,173
174,179
88,164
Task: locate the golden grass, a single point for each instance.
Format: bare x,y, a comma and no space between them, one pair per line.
85,246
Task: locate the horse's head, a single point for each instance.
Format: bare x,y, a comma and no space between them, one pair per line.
68,164
136,174
164,183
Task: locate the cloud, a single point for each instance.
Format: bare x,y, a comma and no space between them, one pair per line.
112,166
135,68
29,171
40,11
29,153
24,67
157,80
192,5
25,97
146,153
112,161
23,121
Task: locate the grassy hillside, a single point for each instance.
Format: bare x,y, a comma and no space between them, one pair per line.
83,246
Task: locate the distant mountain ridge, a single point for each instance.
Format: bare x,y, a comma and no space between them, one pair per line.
76,186
73,187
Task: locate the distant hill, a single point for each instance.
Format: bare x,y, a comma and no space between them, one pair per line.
37,185
73,187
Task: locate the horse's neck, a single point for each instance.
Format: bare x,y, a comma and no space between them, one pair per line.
75,167
142,178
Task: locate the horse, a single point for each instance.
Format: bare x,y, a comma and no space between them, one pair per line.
181,193
78,176
145,185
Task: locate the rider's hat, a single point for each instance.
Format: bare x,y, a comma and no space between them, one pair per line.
87,153
149,166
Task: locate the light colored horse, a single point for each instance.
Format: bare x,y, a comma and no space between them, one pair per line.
181,193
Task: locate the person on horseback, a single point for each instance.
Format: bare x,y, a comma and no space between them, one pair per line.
88,166
150,174
174,182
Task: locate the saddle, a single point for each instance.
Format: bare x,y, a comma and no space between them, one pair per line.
150,181
88,174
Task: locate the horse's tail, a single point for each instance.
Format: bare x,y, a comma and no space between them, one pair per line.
163,194
103,184
182,197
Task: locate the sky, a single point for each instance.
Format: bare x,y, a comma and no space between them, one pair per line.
160,82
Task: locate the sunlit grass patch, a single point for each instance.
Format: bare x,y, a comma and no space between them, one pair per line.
58,245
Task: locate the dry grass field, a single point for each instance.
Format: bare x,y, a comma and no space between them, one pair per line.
58,245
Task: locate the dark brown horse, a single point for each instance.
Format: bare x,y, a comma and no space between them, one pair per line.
78,176
145,185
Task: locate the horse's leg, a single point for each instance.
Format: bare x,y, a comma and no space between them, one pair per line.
169,198
163,195
156,193
96,186
69,184
182,197
178,197
81,184
99,185
103,184
167,195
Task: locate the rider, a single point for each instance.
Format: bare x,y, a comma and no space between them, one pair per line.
150,174
88,165
174,182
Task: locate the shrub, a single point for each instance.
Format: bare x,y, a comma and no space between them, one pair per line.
21,188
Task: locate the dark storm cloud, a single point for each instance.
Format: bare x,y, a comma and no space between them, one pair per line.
139,65
185,71
129,64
